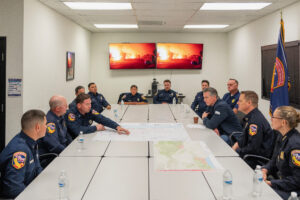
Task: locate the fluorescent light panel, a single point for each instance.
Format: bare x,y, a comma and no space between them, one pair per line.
206,26
116,25
98,6
233,6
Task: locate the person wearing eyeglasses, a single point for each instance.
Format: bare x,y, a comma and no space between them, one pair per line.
233,95
285,162
258,137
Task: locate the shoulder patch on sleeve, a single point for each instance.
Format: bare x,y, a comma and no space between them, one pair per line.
217,112
71,117
51,128
233,100
94,112
144,98
252,129
124,96
296,157
19,159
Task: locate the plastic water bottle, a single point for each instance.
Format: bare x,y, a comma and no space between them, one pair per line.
227,185
63,185
257,182
122,104
116,115
174,101
293,196
80,140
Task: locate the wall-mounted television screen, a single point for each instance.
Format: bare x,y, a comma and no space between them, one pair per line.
132,55
179,56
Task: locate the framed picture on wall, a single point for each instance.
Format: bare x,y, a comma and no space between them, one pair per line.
70,65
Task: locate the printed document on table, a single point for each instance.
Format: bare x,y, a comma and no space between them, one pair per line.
184,156
146,132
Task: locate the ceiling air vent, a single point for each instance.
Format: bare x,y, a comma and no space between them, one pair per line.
151,23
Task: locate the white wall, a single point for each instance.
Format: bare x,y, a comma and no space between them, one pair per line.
244,47
11,27
112,82
47,37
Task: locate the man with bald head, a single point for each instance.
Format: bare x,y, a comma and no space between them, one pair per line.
57,137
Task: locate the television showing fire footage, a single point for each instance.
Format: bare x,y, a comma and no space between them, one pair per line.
132,55
179,56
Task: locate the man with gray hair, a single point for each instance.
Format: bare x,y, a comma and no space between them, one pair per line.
220,116
57,137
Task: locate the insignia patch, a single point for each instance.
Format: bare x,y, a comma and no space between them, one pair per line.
176,95
282,155
90,121
143,97
296,157
252,129
171,94
138,99
19,159
71,117
94,112
233,100
217,112
51,128
124,96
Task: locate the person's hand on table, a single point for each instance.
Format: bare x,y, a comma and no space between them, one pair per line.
121,131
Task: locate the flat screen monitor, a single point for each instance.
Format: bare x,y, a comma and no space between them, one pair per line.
132,55
179,56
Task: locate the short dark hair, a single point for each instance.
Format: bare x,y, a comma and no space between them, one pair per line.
167,81
31,117
78,88
81,97
236,81
251,96
92,83
133,86
205,81
212,91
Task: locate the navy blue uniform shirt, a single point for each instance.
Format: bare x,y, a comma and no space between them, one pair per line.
165,96
72,105
98,102
128,97
57,137
258,136
223,118
77,122
286,164
232,100
198,105
19,165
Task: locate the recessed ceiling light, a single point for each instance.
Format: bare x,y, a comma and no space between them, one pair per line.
116,25
233,6
206,26
98,6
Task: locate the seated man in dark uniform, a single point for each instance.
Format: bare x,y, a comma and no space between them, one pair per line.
133,97
81,118
198,105
232,97
57,137
220,116
165,96
78,90
19,161
258,137
99,103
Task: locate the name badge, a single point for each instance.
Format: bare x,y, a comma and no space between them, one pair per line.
30,162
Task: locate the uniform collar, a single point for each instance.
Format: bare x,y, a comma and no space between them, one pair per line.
54,115
248,116
236,94
92,94
28,140
168,90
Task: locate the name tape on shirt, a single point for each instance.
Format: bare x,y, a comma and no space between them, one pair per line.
51,128
19,159
296,157
94,112
252,129
217,112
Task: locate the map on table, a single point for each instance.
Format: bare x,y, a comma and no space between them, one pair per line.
183,156
146,132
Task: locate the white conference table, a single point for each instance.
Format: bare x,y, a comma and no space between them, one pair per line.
126,171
